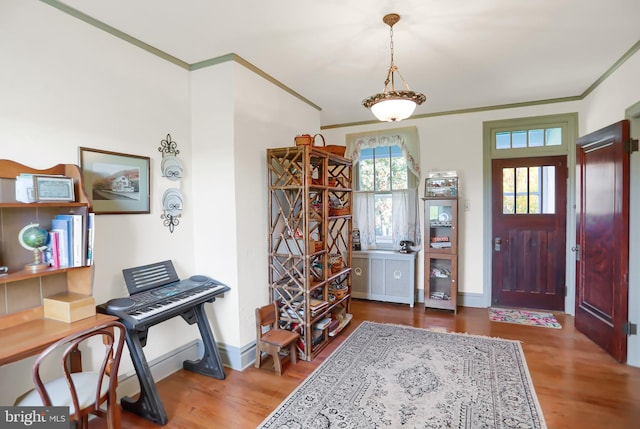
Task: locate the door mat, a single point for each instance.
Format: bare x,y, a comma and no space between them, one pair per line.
523,317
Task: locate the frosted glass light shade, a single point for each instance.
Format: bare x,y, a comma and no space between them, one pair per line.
392,110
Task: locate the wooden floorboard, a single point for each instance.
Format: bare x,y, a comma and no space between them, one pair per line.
578,385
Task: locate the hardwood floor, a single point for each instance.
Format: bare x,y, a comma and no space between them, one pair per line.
578,385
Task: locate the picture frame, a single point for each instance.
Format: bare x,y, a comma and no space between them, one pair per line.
116,183
52,188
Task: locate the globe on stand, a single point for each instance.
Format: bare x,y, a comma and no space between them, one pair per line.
34,239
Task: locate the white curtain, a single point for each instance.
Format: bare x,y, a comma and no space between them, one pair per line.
406,219
364,219
406,138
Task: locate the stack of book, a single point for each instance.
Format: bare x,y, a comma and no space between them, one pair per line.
317,306
71,241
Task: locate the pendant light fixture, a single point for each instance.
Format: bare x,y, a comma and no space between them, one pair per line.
393,105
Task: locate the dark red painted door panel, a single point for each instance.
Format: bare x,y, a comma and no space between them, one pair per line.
529,232
602,209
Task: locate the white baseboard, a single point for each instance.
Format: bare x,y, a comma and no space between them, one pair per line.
161,367
167,364
464,299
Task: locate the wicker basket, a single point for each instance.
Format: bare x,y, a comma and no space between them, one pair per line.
339,212
334,149
338,293
335,260
310,140
304,140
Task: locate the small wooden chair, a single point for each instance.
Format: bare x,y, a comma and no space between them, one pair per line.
273,341
83,392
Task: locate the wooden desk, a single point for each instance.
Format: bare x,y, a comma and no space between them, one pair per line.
21,340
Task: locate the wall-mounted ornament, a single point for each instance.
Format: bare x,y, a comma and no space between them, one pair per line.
168,146
171,167
172,206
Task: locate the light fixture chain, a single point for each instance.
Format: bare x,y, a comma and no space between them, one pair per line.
391,44
391,105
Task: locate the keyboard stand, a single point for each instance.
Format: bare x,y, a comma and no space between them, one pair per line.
210,364
148,404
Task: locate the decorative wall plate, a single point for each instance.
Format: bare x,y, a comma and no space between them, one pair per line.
172,201
171,167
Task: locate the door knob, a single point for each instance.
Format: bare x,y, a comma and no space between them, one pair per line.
497,242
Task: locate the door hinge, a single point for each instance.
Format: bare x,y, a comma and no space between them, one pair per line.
629,328
631,145
576,249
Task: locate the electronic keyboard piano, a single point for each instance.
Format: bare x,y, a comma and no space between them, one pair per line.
157,294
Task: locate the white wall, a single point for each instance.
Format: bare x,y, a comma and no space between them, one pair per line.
233,125
65,84
454,142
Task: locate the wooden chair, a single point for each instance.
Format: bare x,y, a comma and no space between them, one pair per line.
84,392
274,340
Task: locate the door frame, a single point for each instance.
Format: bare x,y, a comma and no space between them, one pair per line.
569,124
632,113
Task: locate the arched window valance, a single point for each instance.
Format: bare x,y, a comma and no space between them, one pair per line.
406,138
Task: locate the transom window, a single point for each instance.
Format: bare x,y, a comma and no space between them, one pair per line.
520,139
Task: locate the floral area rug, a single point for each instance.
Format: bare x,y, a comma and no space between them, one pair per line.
523,317
392,376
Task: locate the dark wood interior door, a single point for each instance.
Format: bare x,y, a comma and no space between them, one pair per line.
602,268
529,232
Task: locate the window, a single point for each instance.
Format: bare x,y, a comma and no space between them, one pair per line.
528,190
386,174
521,139
382,170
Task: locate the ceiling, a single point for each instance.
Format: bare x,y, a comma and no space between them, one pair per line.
462,54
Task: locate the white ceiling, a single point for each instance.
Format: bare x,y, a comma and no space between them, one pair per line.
462,54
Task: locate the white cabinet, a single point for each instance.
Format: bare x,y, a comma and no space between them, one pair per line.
384,276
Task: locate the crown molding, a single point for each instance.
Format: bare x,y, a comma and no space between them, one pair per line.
236,58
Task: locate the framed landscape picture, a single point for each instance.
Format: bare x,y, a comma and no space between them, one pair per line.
116,183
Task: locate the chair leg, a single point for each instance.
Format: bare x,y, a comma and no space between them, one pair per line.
113,414
293,353
277,363
82,422
258,363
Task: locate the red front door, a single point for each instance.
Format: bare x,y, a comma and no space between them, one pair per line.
602,209
529,232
